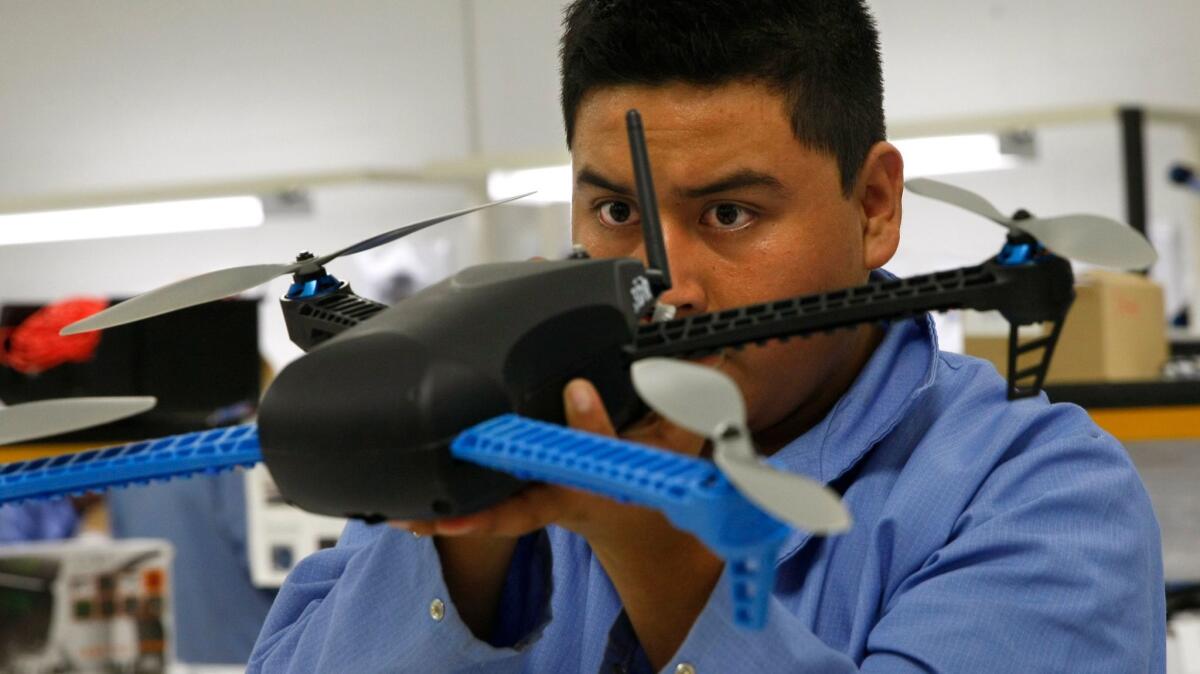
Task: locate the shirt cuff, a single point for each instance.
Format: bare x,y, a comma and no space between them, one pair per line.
715,644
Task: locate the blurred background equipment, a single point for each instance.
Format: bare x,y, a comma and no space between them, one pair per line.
278,535
172,358
86,607
1185,177
219,609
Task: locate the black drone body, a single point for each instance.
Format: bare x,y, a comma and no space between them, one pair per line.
361,426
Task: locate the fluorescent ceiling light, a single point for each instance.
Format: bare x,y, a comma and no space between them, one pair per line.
552,184
165,217
935,155
941,155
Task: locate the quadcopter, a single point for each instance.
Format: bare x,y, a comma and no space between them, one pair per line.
450,400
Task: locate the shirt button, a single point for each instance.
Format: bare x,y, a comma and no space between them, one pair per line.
684,668
437,609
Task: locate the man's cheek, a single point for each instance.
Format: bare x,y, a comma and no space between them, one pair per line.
603,244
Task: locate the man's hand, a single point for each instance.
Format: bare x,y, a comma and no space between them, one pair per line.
663,575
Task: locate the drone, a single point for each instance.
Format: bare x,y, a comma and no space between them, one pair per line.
450,400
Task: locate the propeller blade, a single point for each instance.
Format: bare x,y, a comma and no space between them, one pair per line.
702,399
935,189
1087,238
42,418
213,285
388,237
222,283
800,501
691,396
1093,239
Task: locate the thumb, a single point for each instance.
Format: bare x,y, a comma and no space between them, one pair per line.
585,411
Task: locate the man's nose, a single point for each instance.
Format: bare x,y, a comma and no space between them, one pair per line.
685,260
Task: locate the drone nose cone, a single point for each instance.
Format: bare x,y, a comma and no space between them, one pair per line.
361,428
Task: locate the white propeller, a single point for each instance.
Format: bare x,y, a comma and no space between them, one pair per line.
1088,238
707,402
215,285
29,421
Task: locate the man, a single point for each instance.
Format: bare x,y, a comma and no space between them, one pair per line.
989,535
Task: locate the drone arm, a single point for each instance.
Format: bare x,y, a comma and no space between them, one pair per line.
1024,293
184,455
690,491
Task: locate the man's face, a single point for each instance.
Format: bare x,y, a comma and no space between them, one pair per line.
748,215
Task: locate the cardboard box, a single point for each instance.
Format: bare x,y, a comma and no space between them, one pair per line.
1115,331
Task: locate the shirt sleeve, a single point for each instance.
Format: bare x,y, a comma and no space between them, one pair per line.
1054,567
38,521
375,602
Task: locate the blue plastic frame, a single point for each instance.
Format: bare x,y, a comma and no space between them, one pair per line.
692,493
136,463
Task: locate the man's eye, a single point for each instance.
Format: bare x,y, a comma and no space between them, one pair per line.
617,214
727,216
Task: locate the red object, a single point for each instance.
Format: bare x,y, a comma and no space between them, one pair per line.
152,581
35,346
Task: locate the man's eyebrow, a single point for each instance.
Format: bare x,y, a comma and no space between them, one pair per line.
737,179
589,177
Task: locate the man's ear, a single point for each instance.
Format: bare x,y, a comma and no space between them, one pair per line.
880,187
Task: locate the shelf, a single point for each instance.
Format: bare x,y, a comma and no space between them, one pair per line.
1136,411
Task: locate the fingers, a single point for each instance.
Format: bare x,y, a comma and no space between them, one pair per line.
585,411
537,505
415,527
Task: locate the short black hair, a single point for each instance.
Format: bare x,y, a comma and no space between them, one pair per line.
822,55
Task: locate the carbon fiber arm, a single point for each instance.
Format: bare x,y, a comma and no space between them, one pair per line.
1029,292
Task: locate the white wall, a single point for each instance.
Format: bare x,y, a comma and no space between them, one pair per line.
107,93
126,93
941,58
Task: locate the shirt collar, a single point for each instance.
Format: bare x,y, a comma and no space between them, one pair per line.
900,370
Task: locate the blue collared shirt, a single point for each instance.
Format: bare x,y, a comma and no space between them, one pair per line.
989,536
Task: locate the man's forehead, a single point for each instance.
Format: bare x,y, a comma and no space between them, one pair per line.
696,136
680,109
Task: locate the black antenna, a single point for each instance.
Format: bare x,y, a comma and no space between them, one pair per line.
656,252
